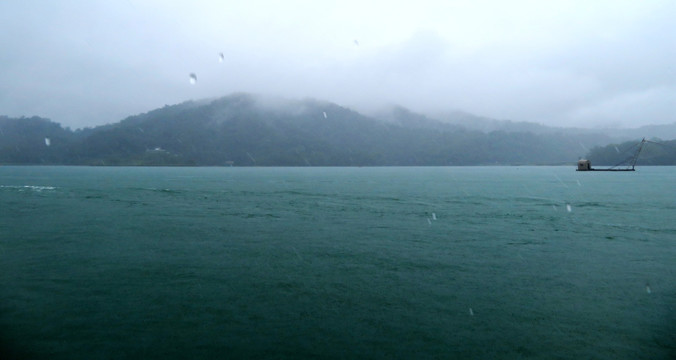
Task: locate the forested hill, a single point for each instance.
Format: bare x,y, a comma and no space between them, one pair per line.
652,153
248,130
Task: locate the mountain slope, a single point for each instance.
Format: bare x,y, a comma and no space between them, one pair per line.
249,130
653,153
607,135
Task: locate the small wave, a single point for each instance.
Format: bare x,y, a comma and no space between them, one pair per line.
527,242
28,187
166,191
592,204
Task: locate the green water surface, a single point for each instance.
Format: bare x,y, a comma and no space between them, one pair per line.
342,263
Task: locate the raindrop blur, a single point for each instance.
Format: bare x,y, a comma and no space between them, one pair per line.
251,157
616,149
221,57
324,114
297,254
471,312
429,221
48,142
569,208
193,78
647,289
434,216
356,42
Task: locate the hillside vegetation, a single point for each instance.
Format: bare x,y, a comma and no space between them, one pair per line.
248,130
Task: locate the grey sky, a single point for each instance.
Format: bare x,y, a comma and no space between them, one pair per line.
566,63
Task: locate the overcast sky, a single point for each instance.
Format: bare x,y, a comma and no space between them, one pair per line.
586,63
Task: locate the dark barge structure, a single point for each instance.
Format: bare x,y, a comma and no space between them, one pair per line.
585,165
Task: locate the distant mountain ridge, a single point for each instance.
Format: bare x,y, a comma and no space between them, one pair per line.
484,124
250,130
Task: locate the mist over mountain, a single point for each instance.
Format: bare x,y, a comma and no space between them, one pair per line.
619,155
664,131
484,124
250,130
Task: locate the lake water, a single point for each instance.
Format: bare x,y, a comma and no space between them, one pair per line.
342,263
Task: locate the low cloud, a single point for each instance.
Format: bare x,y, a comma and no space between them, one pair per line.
85,65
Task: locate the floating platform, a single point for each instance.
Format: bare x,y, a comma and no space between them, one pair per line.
585,165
